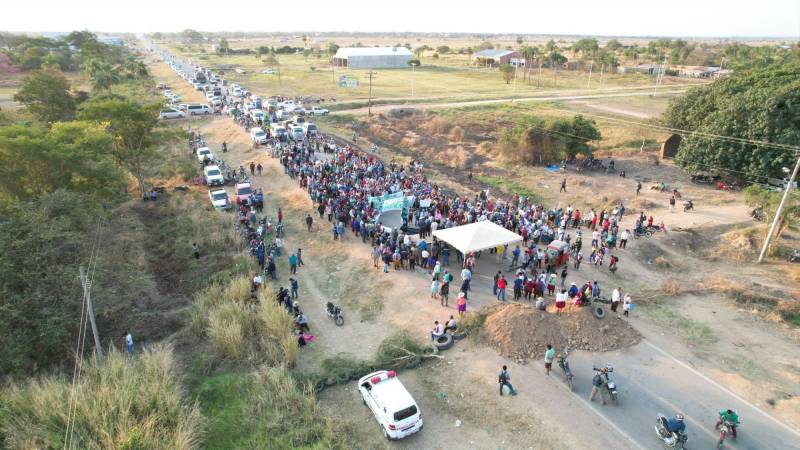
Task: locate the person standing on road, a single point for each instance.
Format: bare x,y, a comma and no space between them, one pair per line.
295,287
638,188
672,203
293,263
504,378
627,305
501,288
597,385
563,186
252,168
563,277
280,215
299,253
444,291
496,279
309,221
224,147
461,304
548,358
259,168
615,298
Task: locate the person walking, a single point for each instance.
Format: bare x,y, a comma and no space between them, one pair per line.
252,168
293,263
504,378
563,186
300,262
514,257
563,277
548,358
638,188
434,287
259,168
444,292
295,287
309,221
196,250
672,203
128,342
494,285
623,238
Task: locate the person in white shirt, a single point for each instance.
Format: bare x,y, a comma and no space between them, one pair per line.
438,330
623,238
615,297
451,324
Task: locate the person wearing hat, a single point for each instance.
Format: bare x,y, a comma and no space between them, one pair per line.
461,303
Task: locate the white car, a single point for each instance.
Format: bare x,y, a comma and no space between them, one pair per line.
268,72
258,136
172,113
393,407
167,94
202,152
213,176
219,199
318,111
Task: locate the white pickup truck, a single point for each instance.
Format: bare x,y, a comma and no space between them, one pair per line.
318,111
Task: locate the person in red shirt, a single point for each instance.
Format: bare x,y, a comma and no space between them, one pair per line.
528,288
501,288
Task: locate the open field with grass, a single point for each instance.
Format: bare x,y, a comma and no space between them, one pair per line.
434,79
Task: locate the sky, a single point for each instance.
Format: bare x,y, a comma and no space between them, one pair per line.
677,18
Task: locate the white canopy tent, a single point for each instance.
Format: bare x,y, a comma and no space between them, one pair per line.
477,236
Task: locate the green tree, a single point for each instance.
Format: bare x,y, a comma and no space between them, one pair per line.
102,74
78,38
507,71
586,47
757,196
332,48
70,155
191,35
442,49
224,47
136,133
613,45
757,105
46,95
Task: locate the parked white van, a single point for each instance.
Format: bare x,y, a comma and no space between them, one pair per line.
298,134
197,110
390,402
278,131
213,176
258,136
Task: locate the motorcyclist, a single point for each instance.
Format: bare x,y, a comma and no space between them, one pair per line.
675,424
730,416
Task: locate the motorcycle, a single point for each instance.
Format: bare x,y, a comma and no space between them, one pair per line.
610,385
724,430
563,363
335,312
670,439
688,205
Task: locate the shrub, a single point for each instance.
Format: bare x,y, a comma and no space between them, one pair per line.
457,134
225,330
472,322
121,402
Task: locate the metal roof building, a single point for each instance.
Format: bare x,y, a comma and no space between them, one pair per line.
372,57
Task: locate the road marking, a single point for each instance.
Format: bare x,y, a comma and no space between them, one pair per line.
608,421
723,388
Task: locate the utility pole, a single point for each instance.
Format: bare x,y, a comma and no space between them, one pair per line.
412,79
789,186
591,64
87,293
660,76
370,76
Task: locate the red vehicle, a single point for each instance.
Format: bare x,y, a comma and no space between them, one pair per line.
558,251
243,191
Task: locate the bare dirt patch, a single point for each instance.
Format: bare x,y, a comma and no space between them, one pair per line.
522,332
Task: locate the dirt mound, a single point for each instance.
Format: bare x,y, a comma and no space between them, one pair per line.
522,332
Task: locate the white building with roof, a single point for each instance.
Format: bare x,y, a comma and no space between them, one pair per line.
372,57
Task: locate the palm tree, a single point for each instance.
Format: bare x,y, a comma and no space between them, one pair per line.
104,76
527,52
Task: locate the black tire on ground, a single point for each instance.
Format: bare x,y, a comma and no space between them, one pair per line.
339,320
458,335
443,342
598,311
414,363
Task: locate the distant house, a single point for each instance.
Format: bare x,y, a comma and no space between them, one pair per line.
108,40
695,71
495,57
647,69
372,57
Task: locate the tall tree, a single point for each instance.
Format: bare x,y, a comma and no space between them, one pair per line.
507,71
136,133
46,95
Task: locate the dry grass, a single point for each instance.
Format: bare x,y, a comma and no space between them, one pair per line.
671,286
456,134
738,245
122,403
485,148
225,329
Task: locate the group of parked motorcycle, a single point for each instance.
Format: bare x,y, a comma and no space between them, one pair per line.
672,431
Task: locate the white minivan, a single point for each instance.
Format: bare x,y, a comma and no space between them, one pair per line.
390,402
258,136
196,110
298,133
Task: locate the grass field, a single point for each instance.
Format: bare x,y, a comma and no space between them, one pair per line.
448,78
